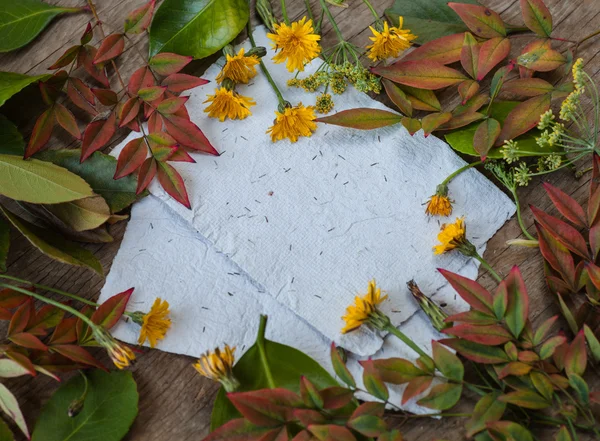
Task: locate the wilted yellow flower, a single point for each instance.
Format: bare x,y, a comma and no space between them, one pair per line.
390,42
121,355
439,204
239,68
218,366
436,315
452,236
365,310
228,104
293,122
297,44
155,323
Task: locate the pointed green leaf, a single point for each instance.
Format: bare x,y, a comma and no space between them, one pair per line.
442,397
363,119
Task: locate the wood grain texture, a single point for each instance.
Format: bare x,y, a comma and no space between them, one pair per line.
175,402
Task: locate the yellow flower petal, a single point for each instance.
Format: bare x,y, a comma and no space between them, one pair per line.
363,307
155,323
390,42
293,122
239,68
228,104
451,236
297,44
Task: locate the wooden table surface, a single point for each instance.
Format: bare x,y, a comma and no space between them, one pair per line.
175,402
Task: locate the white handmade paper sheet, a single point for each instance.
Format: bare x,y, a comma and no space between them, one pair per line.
312,222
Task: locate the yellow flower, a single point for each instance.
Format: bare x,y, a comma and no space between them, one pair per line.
389,42
364,309
293,122
121,355
297,44
239,68
228,104
155,323
218,366
439,205
452,236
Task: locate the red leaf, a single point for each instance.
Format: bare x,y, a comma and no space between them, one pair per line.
172,105
64,332
188,134
593,205
141,78
489,335
87,35
106,96
523,117
152,93
331,432
369,408
112,46
541,60
308,417
46,317
373,380
81,95
431,122
28,340
462,120
557,256
363,119
267,407
11,299
108,313
485,136
412,125
563,232
476,352
566,205
147,172
576,357
139,19
22,360
422,99
471,292
528,87
240,430
129,111
444,50
172,182
537,17
472,317
42,130
66,120
492,53
131,157
168,64
66,58
398,97
181,82
395,370
336,397
180,155
97,134
517,310
482,21
51,88
469,55
422,74
98,72
77,354
467,90
415,387
5,314
20,318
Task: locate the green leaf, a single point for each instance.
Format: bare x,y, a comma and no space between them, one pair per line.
109,409
563,434
461,140
196,27
487,409
268,365
12,83
82,214
39,182
5,433
526,399
98,170
21,21
362,118
447,363
427,19
581,389
592,340
10,406
11,140
537,17
4,244
53,245
442,397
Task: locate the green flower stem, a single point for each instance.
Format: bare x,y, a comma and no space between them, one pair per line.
260,343
566,164
309,11
407,341
519,216
53,303
286,19
47,288
282,101
588,37
459,171
332,21
372,9
487,266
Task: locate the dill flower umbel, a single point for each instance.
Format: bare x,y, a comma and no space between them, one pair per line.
218,366
293,122
155,323
365,311
439,204
239,68
228,104
389,41
297,44
324,103
120,354
454,236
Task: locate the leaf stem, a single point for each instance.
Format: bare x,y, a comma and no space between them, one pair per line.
372,9
459,171
286,19
487,266
407,341
586,38
332,21
260,344
519,216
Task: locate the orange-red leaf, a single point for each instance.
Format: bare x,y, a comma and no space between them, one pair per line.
476,352
20,318
66,58
576,357
467,90
462,120
180,82
485,136
523,117
492,53
398,97
444,50
87,35
422,74
108,313
64,332
106,96
66,120
40,135
129,111
146,174
171,105
362,118
472,292
563,232
131,157
412,125
415,387
180,155
81,95
557,256
152,93
98,72
77,354
431,122
97,134
542,59
528,87
27,340
515,368
168,63
139,19
141,78
173,183
188,134
112,46
566,205
11,299
482,21
469,55
489,335
517,310
537,17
